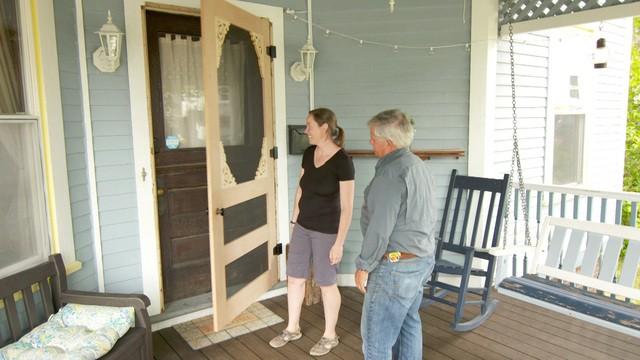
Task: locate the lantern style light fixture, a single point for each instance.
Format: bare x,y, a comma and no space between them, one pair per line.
302,70
601,53
107,57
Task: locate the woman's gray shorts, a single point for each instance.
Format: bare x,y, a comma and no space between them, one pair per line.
311,247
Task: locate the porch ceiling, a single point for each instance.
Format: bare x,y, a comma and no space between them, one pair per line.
524,10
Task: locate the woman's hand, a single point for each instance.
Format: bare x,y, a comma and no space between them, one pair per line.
335,255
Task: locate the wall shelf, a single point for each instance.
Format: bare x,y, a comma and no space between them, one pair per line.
422,154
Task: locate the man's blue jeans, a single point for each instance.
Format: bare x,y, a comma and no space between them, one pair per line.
390,319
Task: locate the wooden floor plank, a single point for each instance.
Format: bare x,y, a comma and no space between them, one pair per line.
178,344
262,349
493,349
238,350
290,351
444,343
630,340
348,334
162,350
352,326
310,330
517,330
215,352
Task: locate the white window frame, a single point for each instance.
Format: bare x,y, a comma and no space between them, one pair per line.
57,229
565,105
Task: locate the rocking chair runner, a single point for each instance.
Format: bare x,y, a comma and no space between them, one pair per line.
482,239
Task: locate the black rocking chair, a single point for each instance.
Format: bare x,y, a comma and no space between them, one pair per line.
474,242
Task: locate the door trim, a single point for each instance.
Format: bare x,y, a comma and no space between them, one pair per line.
142,146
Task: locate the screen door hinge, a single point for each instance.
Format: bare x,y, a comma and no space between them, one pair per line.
274,152
271,51
277,250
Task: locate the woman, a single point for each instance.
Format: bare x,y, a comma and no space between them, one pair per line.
321,217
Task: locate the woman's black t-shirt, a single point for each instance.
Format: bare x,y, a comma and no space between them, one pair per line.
320,202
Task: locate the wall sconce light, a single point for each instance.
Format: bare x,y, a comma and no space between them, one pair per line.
107,57
301,70
600,54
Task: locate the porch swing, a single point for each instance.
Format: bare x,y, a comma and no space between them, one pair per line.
466,243
563,277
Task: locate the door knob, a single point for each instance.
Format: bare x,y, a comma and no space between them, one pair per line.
160,192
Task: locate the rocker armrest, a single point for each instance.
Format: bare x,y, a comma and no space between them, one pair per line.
137,301
464,250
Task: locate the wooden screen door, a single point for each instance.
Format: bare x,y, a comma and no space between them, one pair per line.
240,171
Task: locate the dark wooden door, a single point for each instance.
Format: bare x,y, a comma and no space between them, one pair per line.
180,158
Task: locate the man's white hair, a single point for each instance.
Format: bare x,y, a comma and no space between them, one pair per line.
393,125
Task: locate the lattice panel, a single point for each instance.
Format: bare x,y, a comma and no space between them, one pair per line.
523,10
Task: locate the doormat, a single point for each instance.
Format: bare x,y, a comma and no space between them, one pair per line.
199,333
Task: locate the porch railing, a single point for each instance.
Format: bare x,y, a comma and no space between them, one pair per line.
562,201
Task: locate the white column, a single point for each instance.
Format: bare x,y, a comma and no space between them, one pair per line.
482,86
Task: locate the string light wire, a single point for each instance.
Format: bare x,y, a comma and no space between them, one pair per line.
362,42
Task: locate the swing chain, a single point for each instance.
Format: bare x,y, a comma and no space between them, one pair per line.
515,156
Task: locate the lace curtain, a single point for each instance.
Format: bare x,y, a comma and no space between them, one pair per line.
183,98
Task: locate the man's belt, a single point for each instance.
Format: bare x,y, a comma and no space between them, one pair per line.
395,256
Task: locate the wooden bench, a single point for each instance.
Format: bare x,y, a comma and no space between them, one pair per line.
51,280
575,273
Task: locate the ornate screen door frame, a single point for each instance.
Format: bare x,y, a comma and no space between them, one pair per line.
235,258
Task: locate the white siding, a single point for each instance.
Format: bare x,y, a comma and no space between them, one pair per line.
532,70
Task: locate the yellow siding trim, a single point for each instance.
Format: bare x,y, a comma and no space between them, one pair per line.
46,153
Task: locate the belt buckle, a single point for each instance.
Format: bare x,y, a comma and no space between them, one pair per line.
394,256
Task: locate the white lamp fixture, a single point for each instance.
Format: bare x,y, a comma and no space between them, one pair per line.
301,70
107,57
600,54
392,6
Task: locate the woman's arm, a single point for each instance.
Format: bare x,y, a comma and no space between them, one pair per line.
296,207
346,213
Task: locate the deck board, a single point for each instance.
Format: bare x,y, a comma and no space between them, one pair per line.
517,330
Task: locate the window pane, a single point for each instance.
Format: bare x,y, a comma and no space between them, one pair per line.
242,218
240,104
567,149
11,87
21,213
246,268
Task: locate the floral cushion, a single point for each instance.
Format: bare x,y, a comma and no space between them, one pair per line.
76,332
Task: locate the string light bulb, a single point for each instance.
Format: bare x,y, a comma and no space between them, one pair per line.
395,49
431,51
467,47
327,32
361,43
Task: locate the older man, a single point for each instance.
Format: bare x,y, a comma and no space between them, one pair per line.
397,256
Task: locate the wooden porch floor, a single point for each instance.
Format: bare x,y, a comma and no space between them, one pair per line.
517,330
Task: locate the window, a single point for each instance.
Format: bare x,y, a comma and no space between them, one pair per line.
568,149
23,230
574,88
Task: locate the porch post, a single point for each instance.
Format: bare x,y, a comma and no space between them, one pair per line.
482,86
